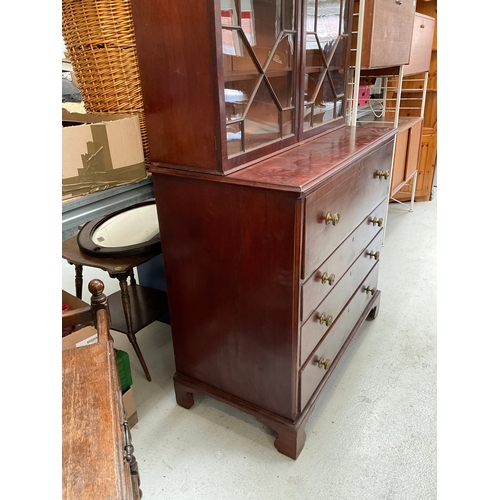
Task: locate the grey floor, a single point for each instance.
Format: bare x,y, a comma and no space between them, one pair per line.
372,435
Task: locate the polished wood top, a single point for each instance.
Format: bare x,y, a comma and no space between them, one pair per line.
302,167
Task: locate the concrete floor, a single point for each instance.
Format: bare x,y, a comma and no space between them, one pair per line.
372,435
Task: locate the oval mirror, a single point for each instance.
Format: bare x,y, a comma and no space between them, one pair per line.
131,231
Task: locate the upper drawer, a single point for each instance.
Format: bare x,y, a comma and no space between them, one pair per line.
317,287
341,204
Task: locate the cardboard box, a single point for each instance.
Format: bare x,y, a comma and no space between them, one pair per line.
99,152
130,408
85,334
80,338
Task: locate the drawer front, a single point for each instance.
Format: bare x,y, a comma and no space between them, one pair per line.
312,374
326,313
317,287
333,210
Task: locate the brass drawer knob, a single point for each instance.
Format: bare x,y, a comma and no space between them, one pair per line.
332,219
324,363
367,289
377,222
327,320
374,254
330,279
380,174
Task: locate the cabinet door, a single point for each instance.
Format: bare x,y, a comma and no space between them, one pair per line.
387,32
421,45
399,163
259,42
412,155
326,46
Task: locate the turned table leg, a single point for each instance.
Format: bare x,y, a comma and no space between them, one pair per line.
78,280
128,319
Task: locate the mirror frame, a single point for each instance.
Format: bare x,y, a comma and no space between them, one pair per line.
88,246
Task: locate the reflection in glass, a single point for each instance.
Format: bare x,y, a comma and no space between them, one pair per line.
262,121
234,139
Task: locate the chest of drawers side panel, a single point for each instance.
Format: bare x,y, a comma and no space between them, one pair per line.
232,258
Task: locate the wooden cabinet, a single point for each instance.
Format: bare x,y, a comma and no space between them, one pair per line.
406,152
421,45
271,254
240,73
387,32
427,12
272,270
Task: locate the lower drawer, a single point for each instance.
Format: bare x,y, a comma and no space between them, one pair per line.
316,327
320,362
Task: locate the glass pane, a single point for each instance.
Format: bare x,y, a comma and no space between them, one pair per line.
229,14
265,16
287,117
323,92
253,39
288,15
234,142
313,52
262,120
307,117
280,72
241,78
324,103
328,22
338,82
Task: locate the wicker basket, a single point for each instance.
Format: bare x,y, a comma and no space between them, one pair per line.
100,40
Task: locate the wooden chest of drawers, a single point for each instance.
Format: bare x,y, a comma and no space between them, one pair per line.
271,270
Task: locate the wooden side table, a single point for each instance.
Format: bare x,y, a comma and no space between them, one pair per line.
134,306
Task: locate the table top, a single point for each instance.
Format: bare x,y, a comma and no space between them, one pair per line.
113,265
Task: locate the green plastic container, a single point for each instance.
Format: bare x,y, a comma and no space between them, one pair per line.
124,372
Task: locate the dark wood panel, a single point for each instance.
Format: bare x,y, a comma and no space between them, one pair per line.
233,287
179,87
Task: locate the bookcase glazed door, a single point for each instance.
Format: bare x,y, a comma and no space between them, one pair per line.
259,44
326,38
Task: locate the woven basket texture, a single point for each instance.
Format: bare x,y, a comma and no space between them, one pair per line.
100,42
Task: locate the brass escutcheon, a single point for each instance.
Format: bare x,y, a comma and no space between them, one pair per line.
326,278
333,219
